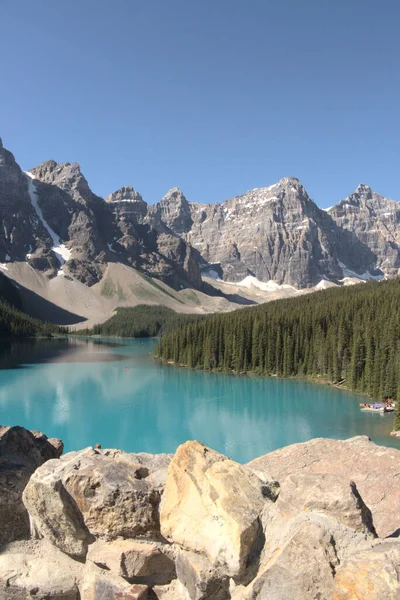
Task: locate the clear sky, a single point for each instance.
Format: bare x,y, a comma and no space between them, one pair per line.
213,96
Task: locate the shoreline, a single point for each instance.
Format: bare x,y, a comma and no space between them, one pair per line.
312,380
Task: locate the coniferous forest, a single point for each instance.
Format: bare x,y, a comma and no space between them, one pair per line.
348,335
17,324
140,321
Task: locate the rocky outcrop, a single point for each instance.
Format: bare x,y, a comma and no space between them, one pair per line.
375,220
22,233
276,233
109,525
21,452
174,211
374,469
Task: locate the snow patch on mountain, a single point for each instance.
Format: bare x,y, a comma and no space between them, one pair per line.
60,250
266,286
363,277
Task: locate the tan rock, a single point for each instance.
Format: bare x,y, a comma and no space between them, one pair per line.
38,570
102,585
302,569
279,530
370,574
134,560
328,494
173,591
374,469
200,577
212,505
88,493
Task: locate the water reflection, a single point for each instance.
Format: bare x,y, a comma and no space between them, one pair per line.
115,394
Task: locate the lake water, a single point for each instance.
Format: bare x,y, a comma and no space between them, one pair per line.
114,393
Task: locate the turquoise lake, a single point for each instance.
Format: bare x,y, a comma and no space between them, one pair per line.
114,393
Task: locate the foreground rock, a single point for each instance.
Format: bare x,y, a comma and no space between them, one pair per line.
38,570
21,452
94,493
200,578
212,505
371,573
134,560
231,532
374,469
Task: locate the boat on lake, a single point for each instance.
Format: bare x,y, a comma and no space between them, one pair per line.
378,407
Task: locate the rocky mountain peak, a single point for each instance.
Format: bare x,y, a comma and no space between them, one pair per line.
175,195
174,210
125,194
1,144
66,176
362,188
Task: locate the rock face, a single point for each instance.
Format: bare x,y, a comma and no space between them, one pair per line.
276,233
375,220
291,524
21,452
374,469
21,233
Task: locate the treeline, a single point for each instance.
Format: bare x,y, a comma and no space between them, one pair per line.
348,335
16,324
140,321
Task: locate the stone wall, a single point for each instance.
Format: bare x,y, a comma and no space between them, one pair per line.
299,523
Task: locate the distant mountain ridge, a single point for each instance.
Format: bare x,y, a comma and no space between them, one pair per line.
54,222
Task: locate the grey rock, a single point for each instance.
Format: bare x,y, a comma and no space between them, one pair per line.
201,579
22,233
303,568
101,493
374,469
276,233
326,493
21,452
375,220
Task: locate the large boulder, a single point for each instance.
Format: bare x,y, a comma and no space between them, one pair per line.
93,493
21,452
374,469
327,494
302,568
212,505
372,574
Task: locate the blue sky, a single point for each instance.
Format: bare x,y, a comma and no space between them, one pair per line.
214,96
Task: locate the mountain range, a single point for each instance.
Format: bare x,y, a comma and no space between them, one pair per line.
57,237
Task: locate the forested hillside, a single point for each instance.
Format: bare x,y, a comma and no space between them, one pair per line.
16,324
349,335
140,321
